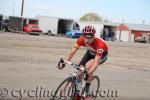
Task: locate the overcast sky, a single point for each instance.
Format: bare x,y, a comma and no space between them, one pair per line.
132,11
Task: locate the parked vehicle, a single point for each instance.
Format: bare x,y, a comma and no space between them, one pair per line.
73,33
15,24
23,24
1,22
32,29
145,38
5,25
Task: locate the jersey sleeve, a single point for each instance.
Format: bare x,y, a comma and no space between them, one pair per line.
101,49
78,42
99,52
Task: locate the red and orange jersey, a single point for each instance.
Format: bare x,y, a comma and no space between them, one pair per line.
97,47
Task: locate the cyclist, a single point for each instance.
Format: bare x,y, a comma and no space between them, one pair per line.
96,54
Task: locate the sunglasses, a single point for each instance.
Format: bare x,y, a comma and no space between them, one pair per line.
88,36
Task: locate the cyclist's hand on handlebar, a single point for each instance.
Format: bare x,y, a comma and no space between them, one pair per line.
61,64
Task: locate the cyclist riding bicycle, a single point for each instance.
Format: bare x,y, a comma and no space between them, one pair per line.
96,54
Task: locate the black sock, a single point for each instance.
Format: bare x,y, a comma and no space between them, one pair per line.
87,86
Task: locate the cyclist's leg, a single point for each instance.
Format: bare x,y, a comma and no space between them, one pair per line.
91,61
89,65
87,56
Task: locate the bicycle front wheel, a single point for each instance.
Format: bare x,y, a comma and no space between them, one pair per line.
65,91
94,88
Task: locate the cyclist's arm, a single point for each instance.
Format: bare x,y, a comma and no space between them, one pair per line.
95,65
71,53
76,46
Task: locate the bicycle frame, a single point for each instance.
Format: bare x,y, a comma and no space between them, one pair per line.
74,75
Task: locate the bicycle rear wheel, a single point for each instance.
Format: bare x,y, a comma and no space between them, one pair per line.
65,91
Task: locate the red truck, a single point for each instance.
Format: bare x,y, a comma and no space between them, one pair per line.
32,29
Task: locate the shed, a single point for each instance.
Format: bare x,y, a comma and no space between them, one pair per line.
129,32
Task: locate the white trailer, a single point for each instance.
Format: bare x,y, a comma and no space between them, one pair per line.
54,24
48,24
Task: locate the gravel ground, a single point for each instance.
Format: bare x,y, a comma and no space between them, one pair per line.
28,62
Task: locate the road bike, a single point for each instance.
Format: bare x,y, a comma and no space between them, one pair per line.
69,88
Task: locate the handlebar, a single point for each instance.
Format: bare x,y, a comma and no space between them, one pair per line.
78,67
83,69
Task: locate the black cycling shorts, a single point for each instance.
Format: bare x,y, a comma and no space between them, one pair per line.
88,56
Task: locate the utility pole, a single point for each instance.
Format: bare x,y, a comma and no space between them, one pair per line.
143,21
121,29
13,8
22,12
123,21
22,7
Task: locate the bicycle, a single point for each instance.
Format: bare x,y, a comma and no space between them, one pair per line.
67,90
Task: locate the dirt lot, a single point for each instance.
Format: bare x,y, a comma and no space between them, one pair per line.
28,61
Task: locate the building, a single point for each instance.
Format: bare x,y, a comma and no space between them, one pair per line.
55,25
131,32
111,26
